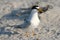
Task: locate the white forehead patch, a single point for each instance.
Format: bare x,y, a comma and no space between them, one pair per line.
37,7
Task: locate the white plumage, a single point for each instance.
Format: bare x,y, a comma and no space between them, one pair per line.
33,18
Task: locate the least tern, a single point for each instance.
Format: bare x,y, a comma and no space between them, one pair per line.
33,18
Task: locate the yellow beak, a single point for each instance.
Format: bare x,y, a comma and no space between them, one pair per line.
40,10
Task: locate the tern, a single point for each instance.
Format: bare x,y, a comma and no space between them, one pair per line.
33,18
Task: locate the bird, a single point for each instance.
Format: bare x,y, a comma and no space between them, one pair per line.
33,18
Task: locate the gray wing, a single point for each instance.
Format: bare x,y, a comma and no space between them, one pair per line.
24,25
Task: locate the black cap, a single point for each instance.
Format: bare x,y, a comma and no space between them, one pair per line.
34,7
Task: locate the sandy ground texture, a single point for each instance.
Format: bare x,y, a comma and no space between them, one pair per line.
13,12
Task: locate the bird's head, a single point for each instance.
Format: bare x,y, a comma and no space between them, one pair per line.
35,7
40,9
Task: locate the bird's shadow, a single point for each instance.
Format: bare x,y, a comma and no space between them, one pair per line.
3,31
20,13
12,16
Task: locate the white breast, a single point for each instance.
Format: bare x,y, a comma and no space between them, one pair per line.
33,18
